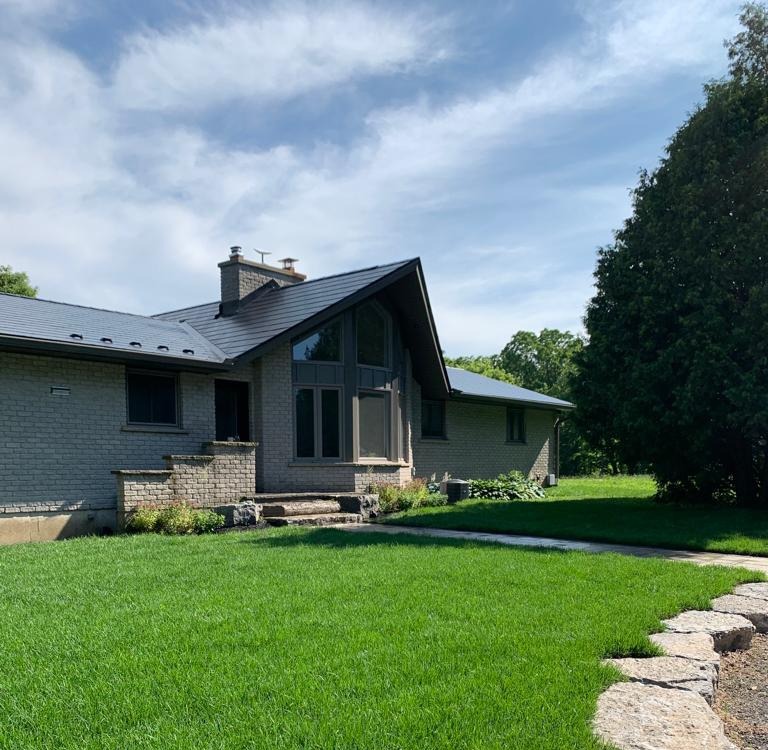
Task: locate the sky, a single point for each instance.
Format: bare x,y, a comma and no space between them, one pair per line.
498,141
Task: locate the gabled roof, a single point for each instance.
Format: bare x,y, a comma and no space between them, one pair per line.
473,385
282,309
30,323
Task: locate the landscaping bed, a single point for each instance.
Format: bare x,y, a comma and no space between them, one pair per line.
290,638
610,509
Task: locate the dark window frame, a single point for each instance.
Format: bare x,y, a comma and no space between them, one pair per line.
389,329
334,321
442,433
317,423
173,376
386,397
516,427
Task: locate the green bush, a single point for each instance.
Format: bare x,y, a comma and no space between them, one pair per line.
178,518
143,519
511,486
415,494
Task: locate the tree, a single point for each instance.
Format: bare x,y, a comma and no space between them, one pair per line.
676,369
542,362
482,365
15,282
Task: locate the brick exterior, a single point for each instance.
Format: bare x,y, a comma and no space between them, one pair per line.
476,445
223,475
276,469
240,277
58,452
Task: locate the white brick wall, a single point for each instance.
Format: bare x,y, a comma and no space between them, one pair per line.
477,446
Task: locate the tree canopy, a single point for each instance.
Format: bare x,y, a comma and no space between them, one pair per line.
15,282
676,370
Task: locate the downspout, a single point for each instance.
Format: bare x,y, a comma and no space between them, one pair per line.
558,421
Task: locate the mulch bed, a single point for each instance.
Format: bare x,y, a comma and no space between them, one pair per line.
742,698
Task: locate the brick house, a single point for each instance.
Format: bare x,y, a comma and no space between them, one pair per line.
283,385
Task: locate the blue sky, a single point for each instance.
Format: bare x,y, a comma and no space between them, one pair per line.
496,140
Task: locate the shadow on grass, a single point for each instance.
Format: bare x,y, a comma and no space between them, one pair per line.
621,520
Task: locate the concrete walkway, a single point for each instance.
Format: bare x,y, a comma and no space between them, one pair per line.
698,558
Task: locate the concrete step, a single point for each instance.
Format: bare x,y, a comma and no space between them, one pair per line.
317,519
300,508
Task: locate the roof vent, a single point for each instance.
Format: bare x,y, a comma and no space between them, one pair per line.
106,340
77,336
162,348
137,344
235,251
188,351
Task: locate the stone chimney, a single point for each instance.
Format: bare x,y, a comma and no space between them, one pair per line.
240,277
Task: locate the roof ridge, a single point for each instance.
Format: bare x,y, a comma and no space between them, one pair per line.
82,307
183,309
302,284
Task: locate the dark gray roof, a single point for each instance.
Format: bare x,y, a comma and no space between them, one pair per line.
472,384
36,321
279,310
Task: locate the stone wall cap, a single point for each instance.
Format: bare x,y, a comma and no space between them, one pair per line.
142,472
189,458
232,443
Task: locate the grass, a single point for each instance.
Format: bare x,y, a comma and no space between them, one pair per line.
608,509
288,639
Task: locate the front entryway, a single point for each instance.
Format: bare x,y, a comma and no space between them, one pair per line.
232,411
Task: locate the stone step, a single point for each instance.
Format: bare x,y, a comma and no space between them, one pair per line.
300,508
318,519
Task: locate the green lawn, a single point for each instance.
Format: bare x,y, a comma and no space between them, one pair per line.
608,509
288,639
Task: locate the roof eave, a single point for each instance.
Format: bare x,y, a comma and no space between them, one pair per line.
458,395
24,345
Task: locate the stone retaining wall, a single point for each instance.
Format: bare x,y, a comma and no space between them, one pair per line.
224,474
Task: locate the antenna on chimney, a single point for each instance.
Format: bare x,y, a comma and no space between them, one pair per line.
262,253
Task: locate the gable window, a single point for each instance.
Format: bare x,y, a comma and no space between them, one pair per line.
432,419
372,336
324,345
317,416
515,425
152,398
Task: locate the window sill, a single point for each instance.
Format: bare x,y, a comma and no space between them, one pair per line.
516,442
157,429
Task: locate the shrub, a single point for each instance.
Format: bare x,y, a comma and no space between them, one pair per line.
143,519
178,518
415,494
511,486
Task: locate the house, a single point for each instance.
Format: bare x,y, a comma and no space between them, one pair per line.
283,385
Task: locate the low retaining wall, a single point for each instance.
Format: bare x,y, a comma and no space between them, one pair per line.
224,474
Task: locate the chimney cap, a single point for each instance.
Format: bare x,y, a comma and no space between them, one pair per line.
235,250
288,263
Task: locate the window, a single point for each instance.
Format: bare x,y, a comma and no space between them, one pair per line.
324,345
373,410
515,425
372,336
318,422
152,398
432,419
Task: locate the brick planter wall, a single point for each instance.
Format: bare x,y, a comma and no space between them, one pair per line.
224,474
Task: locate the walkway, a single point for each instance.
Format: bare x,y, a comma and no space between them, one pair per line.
698,558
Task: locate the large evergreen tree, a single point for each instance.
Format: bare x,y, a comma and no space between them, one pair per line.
676,370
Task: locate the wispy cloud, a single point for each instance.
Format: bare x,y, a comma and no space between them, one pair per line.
106,206
273,53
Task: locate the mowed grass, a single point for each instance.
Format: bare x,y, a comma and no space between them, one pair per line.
288,639
608,509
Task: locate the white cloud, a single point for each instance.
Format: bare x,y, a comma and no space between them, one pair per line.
105,208
271,54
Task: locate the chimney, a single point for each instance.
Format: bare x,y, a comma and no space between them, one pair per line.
241,277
